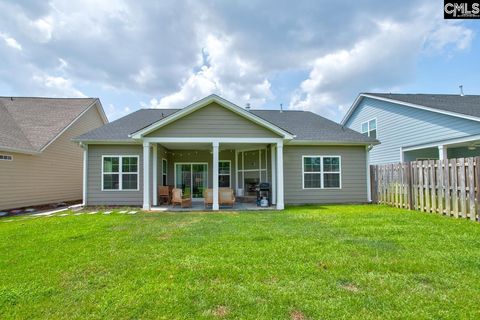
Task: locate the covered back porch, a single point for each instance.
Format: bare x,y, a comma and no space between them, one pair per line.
195,165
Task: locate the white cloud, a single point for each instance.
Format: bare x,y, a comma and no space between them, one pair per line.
222,72
56,86
379,62
11,42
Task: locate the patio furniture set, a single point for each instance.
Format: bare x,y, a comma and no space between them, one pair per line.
175,196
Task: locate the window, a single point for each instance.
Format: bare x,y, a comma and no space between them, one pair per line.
224,173
120,173
369,128
5,157
164,172
321,172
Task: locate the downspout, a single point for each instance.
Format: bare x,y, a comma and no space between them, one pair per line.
369,190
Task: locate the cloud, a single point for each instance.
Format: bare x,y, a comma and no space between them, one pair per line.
172,52
379,62
11,42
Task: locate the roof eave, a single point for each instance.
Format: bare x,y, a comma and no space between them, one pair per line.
330,143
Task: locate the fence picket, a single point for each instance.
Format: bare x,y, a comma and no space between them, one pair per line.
448,201
471,189
440,186
462,185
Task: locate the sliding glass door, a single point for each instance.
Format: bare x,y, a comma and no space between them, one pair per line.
191,178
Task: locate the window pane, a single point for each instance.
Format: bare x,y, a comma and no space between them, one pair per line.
312,180
164,167
129,164
164,180
111,182
311,164
372,124
224,167
129,181
373,134
331,164
110,164
364,127
224,181
331,180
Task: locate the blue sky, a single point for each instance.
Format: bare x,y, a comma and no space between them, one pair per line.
311,55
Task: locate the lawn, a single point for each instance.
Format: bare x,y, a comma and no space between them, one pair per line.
318,262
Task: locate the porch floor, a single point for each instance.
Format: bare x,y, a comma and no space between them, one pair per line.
199,206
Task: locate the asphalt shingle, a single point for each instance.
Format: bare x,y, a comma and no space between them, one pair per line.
303,124
29,124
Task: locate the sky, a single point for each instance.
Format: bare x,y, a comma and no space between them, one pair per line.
305,55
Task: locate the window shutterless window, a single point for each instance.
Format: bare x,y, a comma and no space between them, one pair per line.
164,172
321,172
369,128
120,172
224,173
6,157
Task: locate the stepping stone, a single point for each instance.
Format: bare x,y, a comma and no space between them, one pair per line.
78,213
107,212
123,211
63,215
132,212
8,220
93,212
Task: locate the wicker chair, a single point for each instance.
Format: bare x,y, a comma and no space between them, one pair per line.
208,197
164,193
177,198
226,197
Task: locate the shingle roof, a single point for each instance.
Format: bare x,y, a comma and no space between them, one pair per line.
468,104
305,125
28,124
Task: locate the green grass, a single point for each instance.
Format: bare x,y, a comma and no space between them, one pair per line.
318,262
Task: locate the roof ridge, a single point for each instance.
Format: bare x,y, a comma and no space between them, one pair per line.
423,94
38,97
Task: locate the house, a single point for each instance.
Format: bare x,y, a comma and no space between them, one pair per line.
417,126
214,143
39,164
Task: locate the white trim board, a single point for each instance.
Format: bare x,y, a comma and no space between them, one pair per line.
441,143
204,102
412,105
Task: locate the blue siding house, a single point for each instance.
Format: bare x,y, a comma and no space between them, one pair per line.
417,126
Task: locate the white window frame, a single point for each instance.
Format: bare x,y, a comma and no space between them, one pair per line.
368,127
120,172
322,171
165,164
229,172
6,157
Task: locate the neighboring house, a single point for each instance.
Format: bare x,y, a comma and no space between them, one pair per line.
213,143
39,164
417,126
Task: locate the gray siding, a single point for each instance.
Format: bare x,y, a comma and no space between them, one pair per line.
402,126
353,178
213,121
95,195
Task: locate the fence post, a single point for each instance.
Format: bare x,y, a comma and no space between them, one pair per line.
408,168
477,183
471,189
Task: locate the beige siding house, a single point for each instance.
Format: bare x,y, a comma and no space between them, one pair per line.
214,144
39,162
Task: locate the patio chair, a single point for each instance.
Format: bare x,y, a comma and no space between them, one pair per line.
226,197
177,198
208,197
164,194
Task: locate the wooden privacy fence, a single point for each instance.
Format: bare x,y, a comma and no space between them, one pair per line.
448,187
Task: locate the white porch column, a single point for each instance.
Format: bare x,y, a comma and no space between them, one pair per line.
154,174
274,174
85,173
442,152
367,168
236,172
280,205
215,205
146,176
